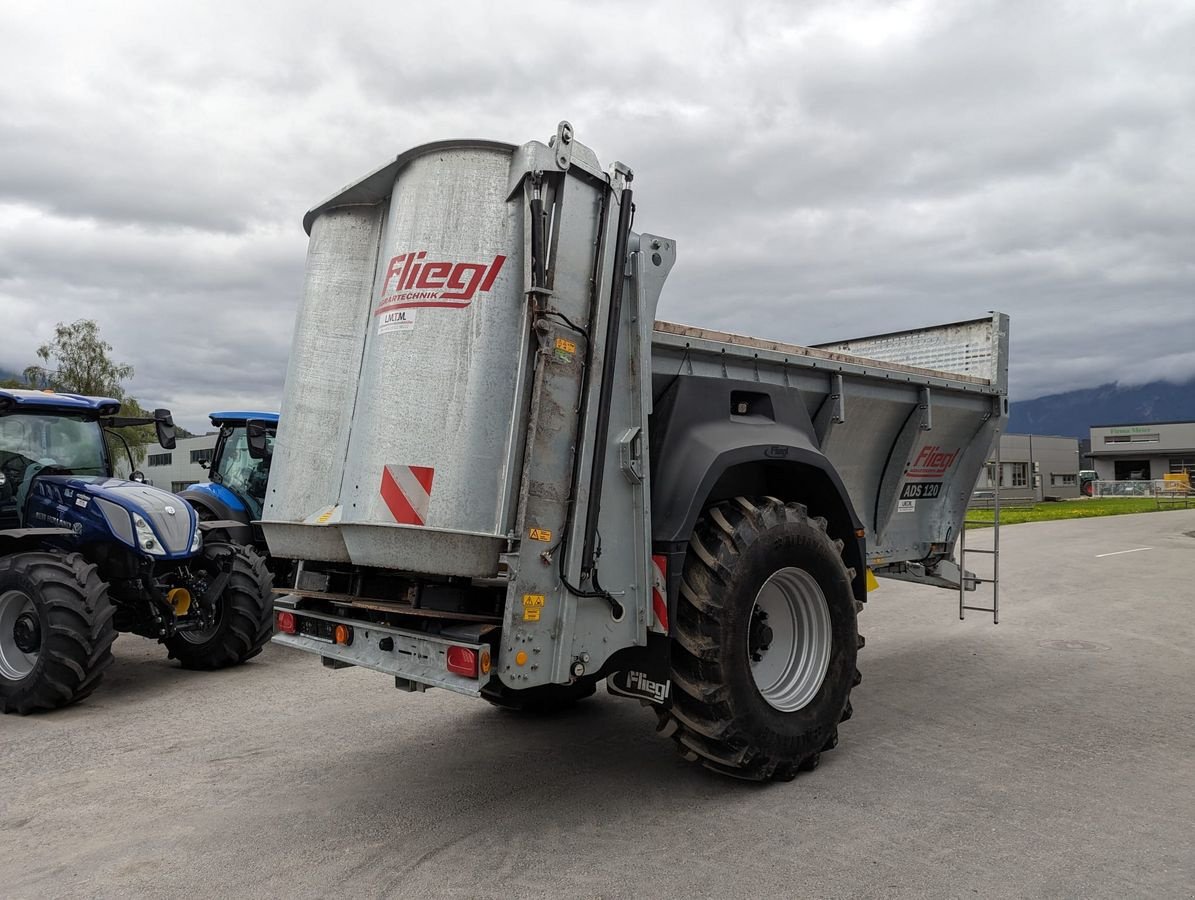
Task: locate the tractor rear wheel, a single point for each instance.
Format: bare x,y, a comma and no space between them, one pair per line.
56,630
764,641
244,612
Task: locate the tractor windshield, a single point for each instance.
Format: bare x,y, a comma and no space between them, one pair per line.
241,473
55,444
71,446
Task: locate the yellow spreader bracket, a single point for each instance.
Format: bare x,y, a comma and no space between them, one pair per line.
180,599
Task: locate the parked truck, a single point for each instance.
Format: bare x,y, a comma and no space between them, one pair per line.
499,475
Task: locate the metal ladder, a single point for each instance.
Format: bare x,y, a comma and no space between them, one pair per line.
994,552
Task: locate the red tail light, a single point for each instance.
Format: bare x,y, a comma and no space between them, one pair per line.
287,623
463,661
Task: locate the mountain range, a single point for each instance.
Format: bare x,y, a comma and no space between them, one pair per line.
1071,414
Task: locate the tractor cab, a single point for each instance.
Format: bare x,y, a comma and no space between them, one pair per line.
53,440
239,469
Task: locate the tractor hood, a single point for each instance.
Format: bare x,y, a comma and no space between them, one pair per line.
220,494
147,519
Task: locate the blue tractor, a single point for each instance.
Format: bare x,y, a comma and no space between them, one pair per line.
238,473
84,555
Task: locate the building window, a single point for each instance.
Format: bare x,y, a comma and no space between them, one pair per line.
159,459
1181,464
1131,438
1014,474
1062,478
179,486
201,456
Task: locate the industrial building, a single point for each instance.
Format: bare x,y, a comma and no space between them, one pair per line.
174,470
1033,467
1143,452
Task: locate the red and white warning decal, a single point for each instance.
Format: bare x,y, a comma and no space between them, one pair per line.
407,491
659,593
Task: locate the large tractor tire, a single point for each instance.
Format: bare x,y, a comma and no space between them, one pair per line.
56,630
764,641
244,612
546,700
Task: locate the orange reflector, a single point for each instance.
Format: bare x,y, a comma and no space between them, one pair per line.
860,532
462,660
484,661
287,623
521,658
342,634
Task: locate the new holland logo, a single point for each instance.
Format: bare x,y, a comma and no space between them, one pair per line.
413,281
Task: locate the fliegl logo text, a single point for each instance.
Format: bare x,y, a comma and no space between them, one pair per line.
414,280
657,690
932,462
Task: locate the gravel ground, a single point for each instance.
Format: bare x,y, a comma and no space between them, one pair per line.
1052,755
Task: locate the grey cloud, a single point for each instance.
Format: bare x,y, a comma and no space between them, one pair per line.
827,169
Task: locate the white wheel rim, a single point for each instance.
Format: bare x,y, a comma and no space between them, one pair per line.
15,663
790,669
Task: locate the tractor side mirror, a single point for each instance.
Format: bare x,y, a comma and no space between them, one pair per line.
255,436
164,425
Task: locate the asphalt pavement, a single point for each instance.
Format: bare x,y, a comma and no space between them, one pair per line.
1052,755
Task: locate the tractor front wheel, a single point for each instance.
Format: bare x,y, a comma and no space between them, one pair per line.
244,613
56,630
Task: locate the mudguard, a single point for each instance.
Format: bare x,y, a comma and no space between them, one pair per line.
230,515
710,455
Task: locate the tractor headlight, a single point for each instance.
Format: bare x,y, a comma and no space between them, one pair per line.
197,541
146,539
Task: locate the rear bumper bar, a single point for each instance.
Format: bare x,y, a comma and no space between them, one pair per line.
411,655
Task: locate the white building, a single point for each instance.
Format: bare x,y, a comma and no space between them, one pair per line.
174,470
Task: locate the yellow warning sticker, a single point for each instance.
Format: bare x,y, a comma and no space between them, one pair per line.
531,614
565,346
325,516
540,534
533,600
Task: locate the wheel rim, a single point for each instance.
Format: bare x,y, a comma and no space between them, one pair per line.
789,639
20,635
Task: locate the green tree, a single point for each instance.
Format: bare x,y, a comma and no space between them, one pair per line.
78,361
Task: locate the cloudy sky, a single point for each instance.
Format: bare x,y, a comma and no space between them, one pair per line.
828,169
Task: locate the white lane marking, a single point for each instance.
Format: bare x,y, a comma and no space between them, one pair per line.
1118,552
